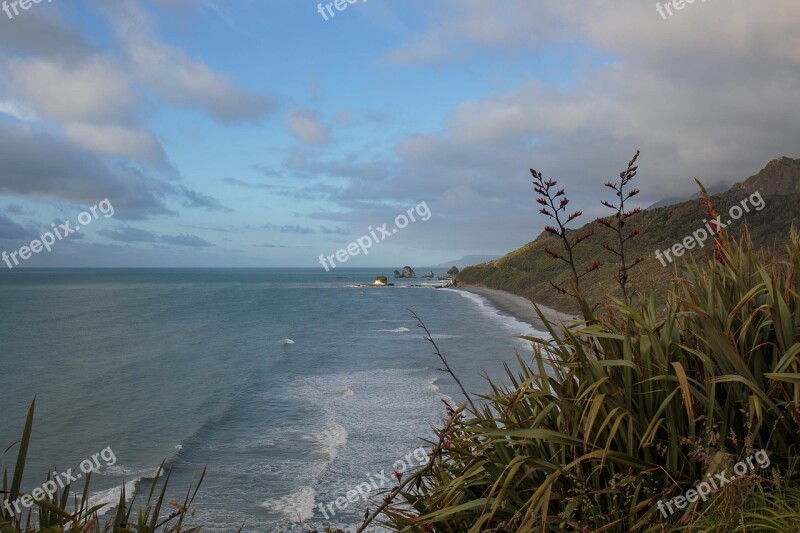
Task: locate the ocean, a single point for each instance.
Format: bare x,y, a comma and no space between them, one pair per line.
292,386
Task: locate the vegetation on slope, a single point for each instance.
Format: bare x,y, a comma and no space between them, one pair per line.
529,271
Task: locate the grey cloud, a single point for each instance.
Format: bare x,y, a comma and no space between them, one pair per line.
241,183
299,230
185,240
42,34
16,209
129,234
332,231
41,166
193,198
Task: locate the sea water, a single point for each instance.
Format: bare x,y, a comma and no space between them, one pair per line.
292,386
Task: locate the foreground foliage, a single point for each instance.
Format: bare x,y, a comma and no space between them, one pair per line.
53,514
636,405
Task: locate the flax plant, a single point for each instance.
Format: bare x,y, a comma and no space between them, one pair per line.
623,410
55,515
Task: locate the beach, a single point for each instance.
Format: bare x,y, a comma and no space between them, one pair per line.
518,307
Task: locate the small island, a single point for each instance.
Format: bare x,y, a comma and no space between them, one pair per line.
407,272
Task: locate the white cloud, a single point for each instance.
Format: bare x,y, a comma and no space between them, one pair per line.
307,127
17,110
95,89
178,79
119,141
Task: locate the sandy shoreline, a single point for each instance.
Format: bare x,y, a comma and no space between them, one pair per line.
518,307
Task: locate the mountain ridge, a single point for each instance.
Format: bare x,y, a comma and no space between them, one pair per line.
528,271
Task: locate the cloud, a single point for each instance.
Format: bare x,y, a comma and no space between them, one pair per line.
299,230
459,28
16,209
128,234
626,79
17,110
87,92
96,89
178,79
70,173
38,165
307,127
193,198
42,34
241,183
333,231
135,143
185,240
10,229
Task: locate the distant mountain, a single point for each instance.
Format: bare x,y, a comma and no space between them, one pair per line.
467,260
528,271
714,189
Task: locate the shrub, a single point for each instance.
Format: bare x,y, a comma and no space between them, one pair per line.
53,516
633,406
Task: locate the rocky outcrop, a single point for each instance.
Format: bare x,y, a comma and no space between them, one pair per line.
452,272
780,177
428,275
408,272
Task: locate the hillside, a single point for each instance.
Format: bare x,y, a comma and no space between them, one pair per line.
528,270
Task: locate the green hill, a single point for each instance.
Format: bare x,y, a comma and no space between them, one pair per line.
528,271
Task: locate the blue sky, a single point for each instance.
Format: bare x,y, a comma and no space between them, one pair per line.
256,133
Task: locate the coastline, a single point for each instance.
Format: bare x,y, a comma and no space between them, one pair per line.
518,307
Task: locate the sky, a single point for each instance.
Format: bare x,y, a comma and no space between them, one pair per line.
265,133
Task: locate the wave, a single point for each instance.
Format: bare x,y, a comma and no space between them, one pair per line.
117,470
295,507
286,341
348,392
110,497
486,307
397,330
330,440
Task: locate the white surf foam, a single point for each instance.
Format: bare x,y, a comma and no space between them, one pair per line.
295,507
330,440
286,341
485,306
110,497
